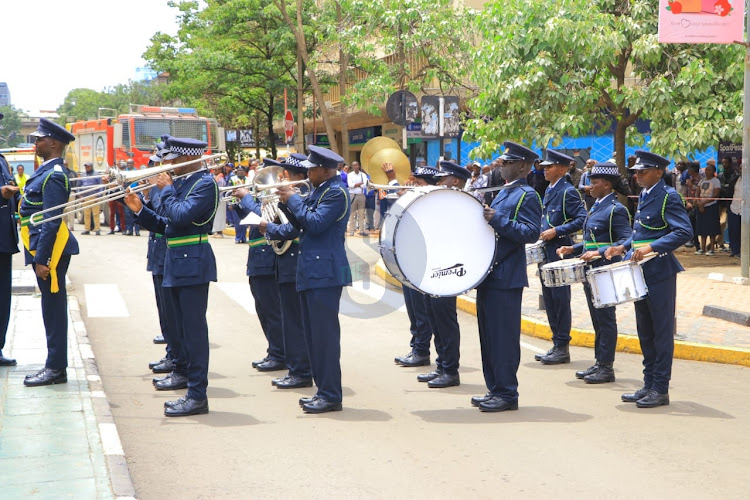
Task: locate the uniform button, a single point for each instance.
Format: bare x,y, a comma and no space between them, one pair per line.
292,254
185,255
317,256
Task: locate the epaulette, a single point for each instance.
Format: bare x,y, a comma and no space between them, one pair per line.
58,168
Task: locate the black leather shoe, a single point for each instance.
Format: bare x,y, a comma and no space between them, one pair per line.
558,356
603,375
47,376
414,359
173,382
159,339
320,405
154,363
426,377
498,404
477,400
271,365
294,382
305,401
165,367
170,404
279,379
539,357
632,397
588,371
255,364
653,399
444,380
188,407
155,380
6,361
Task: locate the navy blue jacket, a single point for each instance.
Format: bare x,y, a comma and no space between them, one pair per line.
608,224
46,188
157,244
518,213
189,207
8,225
563,209
261,259
286,264
662,222
322,218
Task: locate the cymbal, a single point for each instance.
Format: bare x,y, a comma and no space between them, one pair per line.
400,165
373,146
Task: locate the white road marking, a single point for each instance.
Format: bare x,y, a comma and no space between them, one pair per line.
110,439
380,294
105,301
240,293
532,348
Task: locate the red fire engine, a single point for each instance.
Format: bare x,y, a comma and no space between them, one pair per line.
106,141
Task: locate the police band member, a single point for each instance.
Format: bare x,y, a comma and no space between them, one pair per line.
189,204
414,300
661,224
295,349
322,271
8,246
563,214
441,311
515,215
261,272
608,224
49,245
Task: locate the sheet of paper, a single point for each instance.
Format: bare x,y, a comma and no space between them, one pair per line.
251,220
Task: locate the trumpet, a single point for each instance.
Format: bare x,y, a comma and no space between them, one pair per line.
118,187
263,185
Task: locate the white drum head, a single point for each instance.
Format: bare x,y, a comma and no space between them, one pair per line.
442,243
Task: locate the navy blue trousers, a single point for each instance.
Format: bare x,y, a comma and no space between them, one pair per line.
320,317
295,347
265,291
654,317
499,318
168,322
443,319
557,306
419,323
6,287
734,223
190,304
55,316
605,328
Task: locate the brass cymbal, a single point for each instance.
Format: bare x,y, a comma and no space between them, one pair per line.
373,146
400,165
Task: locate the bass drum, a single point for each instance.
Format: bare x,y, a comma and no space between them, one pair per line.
436,240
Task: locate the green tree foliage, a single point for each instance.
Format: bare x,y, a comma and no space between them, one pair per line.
84,104
546,69
10,127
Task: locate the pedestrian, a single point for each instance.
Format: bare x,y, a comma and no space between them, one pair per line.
660,227
692,194
240,231
707,218
21,177
130,226
370,202
584,185
220,220
92,211
478,180
117,210
70,218
356,180
734,218
8,246
49,245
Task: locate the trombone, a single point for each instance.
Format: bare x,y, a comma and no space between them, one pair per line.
118,188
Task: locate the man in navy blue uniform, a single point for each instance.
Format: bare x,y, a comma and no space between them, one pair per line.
608,224
8,246
261,272
563,214
661,225
322,271
515,215
295,348
189,205
441,311
49,246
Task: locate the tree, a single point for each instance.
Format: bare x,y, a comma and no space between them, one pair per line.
10,127
546,70
84,104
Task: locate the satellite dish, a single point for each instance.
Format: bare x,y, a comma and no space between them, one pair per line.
402,107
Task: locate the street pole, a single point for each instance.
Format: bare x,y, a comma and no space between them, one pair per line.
745,210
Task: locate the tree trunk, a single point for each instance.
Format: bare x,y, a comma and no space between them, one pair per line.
343,68
621,129
269,124
299,141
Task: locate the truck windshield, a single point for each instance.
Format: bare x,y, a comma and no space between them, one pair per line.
148,131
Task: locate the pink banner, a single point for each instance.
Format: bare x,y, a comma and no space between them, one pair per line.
701,21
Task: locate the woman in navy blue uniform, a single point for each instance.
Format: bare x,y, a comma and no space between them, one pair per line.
189,205
515,215
661,225
322,271
563,214
8,246
49,246
608,224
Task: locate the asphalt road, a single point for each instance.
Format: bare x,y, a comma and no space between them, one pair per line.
395,437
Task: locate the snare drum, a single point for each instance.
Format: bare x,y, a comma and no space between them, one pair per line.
563,272
617,284
436,240
535,253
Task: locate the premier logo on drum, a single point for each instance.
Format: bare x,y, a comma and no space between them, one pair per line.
454,270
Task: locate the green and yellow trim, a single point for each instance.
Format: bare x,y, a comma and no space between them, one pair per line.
258,242
184,241
641,243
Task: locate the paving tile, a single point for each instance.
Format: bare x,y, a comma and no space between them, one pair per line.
31,406
44,423
79,489
35,470
62,442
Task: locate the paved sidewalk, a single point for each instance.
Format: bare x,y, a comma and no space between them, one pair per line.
56,441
